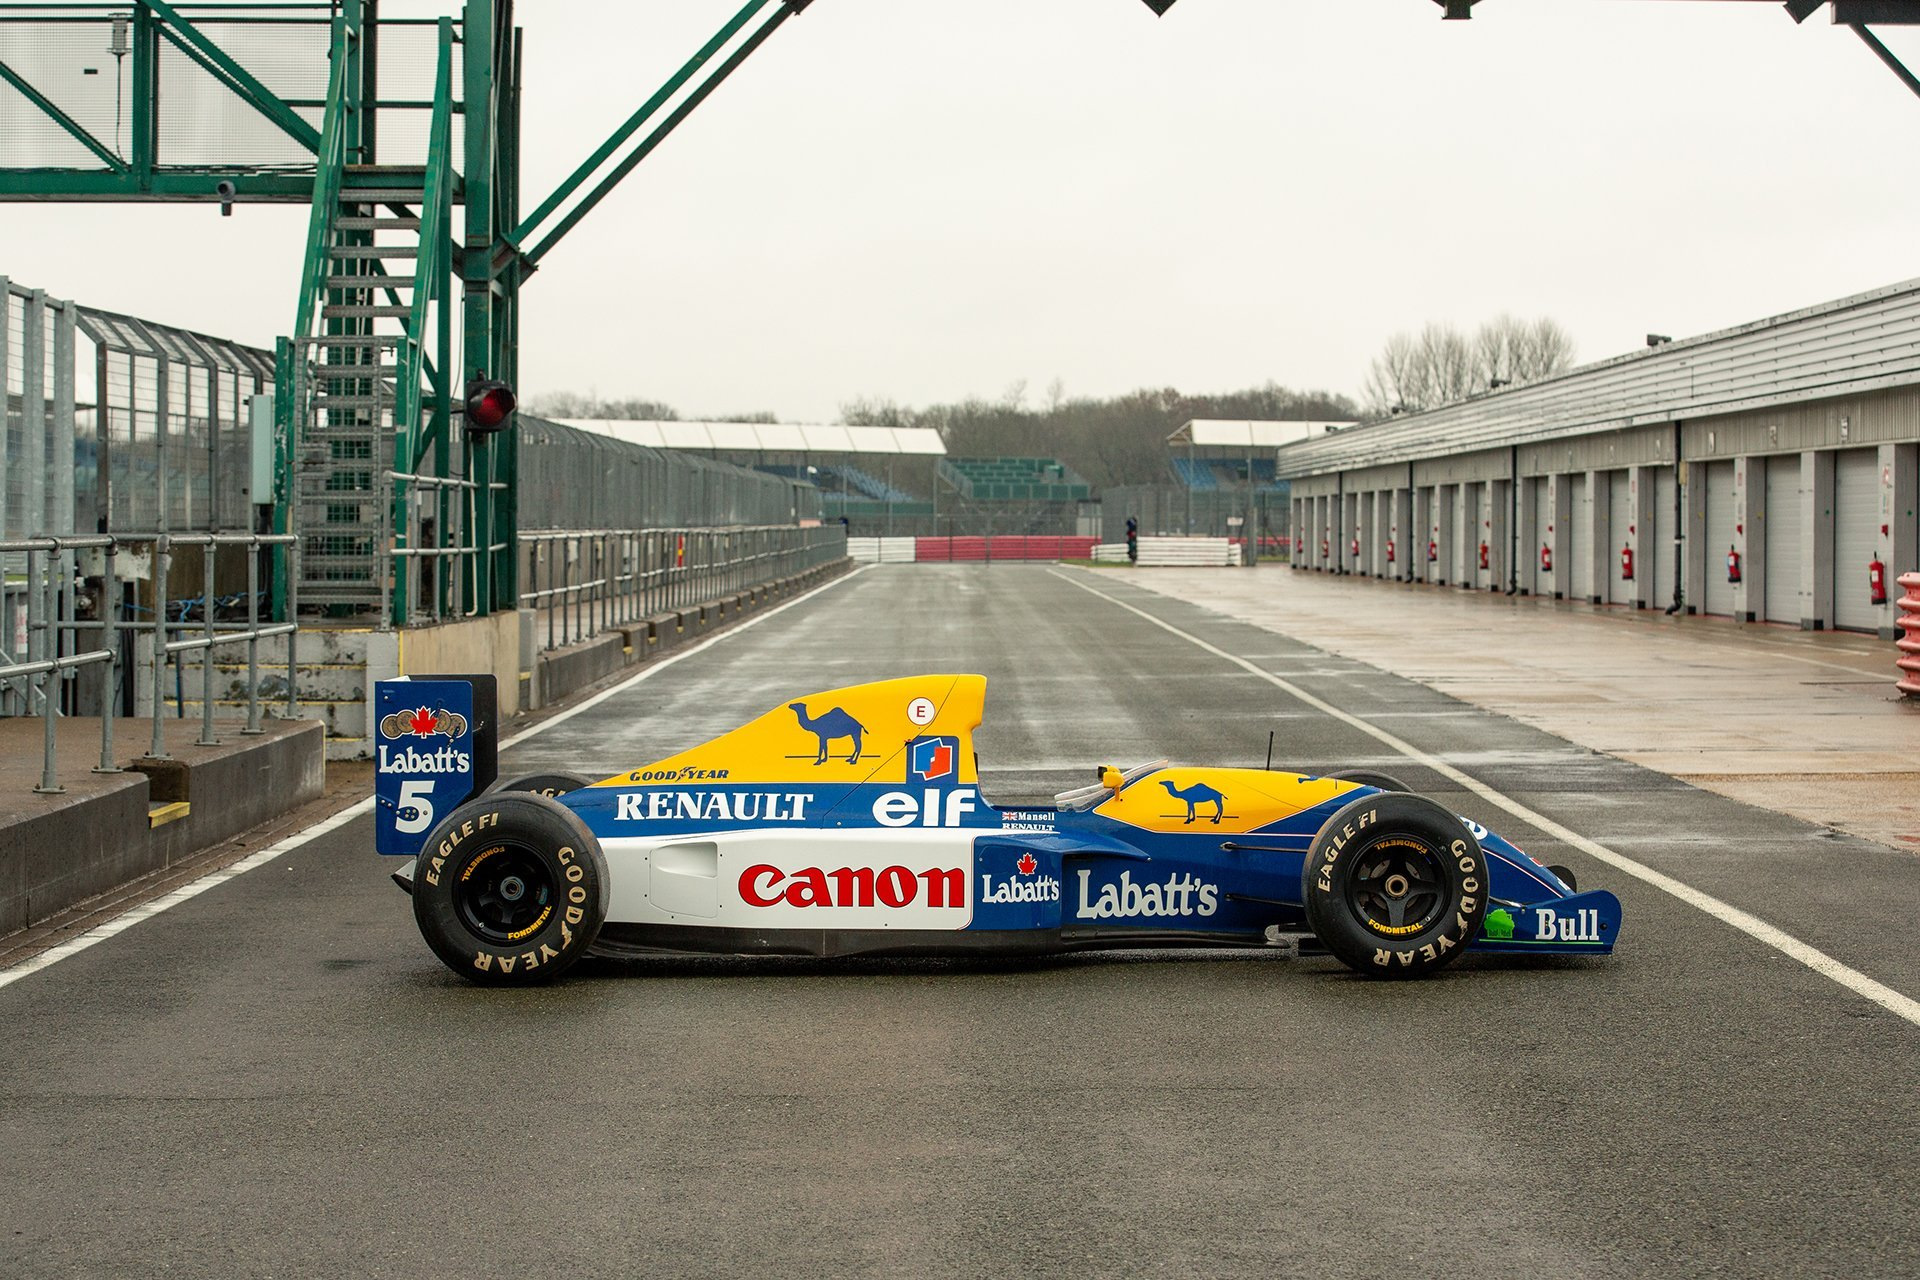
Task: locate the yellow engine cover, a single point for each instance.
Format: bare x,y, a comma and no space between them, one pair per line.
852,735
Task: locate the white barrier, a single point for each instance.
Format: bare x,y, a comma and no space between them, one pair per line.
1172,552
881,550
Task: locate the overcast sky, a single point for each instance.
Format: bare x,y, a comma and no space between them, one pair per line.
926,199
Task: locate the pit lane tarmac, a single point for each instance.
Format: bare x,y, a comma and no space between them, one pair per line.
276,1077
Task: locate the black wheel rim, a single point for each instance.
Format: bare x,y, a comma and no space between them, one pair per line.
1398,887
506,894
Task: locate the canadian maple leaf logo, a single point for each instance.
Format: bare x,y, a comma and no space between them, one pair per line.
1026,864
422,722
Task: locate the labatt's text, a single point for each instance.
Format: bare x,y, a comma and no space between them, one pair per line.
1180,894
1042,889
413,760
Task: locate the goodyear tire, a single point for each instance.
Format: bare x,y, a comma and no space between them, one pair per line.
511,889
544,784
1395,886
1370,778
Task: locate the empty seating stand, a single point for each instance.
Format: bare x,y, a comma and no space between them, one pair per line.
1015,480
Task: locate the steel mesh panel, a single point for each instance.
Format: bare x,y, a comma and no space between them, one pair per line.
571,479
202,122
408,61
55,57
208,444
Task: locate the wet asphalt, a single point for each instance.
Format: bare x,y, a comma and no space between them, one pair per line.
277,1078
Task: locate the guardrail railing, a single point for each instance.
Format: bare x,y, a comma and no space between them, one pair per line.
588,580
69,624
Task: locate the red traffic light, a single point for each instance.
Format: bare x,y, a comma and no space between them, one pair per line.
489,403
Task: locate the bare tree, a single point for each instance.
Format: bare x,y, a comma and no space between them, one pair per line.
1392,384
1509,350
1420,371
1446,357
1440,365
872,411
572,404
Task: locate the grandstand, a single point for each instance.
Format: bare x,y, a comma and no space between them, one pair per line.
1208,475
1224,484
1209,454
1017,496
1014,480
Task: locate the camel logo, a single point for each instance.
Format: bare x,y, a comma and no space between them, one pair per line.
829,727
932,759
423,722
1197,794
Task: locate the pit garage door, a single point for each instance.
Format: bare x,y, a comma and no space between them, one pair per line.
1657,545
1856,536
1720,522
1619,517
1577,549
1472,535
1542,517
1783,538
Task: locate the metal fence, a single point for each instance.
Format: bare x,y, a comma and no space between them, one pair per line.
584,581
573,479
171,445
1171,509
81,610
164,442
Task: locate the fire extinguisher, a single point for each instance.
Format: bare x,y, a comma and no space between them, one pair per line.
1326,549
1877,582
1483,555
1389,550
1733,565
1353,548
1433,551
1626,563
1546,558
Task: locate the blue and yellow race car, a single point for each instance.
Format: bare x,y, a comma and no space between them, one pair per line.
851,822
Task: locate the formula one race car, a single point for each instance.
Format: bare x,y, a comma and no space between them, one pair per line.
851,823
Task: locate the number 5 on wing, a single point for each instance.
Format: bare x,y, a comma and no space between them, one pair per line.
414,813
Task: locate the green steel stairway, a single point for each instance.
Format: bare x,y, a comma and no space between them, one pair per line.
354,399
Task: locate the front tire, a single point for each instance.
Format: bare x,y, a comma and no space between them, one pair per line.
511,889
1395,886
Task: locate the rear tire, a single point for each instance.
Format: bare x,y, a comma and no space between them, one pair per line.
1395,886
511,889
540,784
1369,778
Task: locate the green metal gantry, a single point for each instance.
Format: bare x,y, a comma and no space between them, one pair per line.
372,466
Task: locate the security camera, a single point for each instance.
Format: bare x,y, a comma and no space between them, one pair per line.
226,191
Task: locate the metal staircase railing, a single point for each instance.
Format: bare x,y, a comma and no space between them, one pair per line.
371,481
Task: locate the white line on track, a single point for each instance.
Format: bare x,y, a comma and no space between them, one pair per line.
213,879
1815,959
147,910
